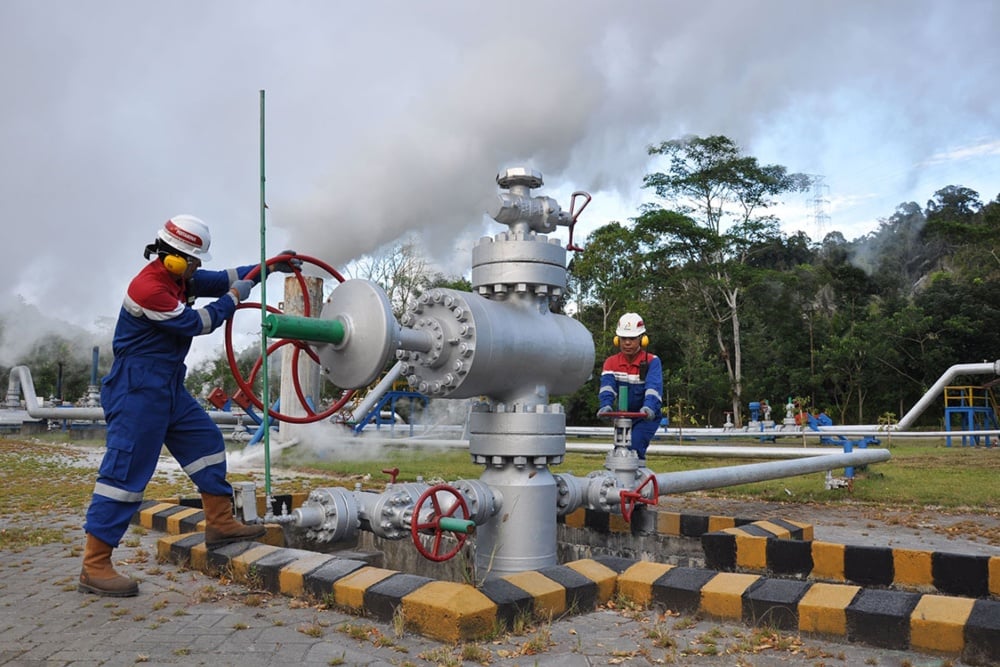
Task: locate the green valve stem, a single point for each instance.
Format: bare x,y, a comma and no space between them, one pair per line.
457,525
310,329
623,399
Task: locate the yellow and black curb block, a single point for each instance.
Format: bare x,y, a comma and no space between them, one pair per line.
766,546
449,611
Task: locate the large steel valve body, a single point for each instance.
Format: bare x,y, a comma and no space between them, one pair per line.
501,342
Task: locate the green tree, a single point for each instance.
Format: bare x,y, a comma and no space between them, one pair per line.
727,194
608,275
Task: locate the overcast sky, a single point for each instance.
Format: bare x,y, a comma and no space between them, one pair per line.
383,117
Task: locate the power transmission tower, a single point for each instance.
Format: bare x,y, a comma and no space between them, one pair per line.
820,202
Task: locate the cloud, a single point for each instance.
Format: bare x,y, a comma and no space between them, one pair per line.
984,148
382,118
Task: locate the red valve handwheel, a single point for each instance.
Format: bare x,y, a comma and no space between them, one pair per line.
435,523
627,415
246,385
629,499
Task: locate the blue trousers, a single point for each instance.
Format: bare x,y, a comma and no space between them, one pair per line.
147,407
642,432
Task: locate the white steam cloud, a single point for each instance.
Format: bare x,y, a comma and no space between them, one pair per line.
391,117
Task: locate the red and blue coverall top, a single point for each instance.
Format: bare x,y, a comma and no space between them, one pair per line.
146,405
643,376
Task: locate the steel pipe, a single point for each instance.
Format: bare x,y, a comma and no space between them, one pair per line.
714,478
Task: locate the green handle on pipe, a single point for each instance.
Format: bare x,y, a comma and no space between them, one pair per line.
457,525
311,329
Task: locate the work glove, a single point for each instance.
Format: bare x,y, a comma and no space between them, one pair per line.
242,288
647,412
290,265
603,411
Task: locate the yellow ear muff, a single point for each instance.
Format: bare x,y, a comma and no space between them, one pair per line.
644,341
175,264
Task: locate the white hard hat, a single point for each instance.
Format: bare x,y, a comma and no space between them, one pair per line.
187,234
630,326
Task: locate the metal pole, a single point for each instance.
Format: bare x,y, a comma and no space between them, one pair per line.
265,391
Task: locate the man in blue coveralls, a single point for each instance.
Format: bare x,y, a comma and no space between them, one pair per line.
633,367
146,405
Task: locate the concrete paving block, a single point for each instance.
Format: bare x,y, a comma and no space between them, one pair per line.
192,523
268,567
243,567
693,525
868,566
292,577
148,514
511,601
668,523
789,557
720,550
828,561
722,595
450,611
912,568
159,520
636,583
218,558
720,523
176,521
679,588
796,531
319,581
349,591
961,574
881,618
383,598
761,529
938,623
774,602
751,549
603,577
549,595
177,548
982,634
581,592
823,608
616,563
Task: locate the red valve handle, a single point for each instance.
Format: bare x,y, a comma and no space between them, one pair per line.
435,523
627,415
574,215
629,499
246,385
392,473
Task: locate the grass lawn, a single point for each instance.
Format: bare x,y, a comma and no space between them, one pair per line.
921,472
38,474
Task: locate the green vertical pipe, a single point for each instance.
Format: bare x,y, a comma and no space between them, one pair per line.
265,391
623,399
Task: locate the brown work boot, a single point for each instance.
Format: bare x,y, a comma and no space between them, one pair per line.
221,527
99,576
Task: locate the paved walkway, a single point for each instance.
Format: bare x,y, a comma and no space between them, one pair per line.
183,617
